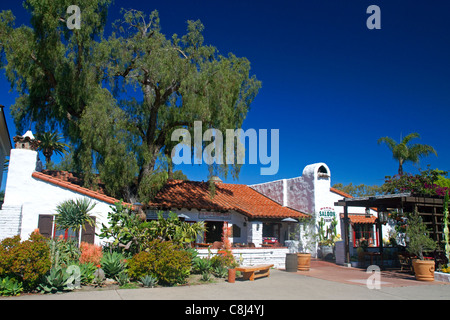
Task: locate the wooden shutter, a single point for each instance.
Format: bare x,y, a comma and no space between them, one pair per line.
88,232
45,224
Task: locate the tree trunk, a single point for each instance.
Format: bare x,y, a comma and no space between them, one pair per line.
400,167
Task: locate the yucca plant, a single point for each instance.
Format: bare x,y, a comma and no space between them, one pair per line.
74,214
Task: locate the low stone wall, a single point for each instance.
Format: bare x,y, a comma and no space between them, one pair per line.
442,276
254,256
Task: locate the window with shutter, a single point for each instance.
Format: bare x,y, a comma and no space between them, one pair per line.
45,224
88,232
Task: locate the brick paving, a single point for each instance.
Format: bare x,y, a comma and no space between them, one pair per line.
389,278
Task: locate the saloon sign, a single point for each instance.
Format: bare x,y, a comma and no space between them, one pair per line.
327,214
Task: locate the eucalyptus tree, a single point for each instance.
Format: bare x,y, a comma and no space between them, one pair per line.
118,98
405,151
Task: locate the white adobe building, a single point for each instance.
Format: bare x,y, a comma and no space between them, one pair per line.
255,213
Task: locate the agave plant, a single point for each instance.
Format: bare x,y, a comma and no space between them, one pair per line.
10,287
55,281
112,263
74,214
148,281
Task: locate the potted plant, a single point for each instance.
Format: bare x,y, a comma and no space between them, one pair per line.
419,242
307,241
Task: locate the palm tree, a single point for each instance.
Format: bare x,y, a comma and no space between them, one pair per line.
404,151
50,142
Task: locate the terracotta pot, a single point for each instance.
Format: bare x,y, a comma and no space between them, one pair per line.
424,269
303,261
231,275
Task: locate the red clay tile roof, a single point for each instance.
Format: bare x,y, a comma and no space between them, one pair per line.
237,197
356,218
341,193
70,181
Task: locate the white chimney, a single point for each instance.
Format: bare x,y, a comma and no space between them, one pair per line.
22,163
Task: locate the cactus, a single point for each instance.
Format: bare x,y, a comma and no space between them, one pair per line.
446,231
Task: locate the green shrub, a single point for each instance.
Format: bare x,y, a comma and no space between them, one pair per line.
25,261
140,265
164,260
202,265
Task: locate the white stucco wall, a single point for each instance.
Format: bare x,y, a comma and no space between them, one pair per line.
38,197
310,193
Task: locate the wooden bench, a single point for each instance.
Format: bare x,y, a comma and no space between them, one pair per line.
252,272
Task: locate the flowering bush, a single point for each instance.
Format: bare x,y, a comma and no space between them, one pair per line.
428,182
90,253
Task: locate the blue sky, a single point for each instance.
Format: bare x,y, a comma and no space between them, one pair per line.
329,84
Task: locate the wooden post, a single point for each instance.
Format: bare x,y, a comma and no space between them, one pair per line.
346,235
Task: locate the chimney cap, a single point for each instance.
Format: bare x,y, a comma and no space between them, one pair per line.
29,134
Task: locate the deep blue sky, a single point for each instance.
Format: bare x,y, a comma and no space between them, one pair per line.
330,85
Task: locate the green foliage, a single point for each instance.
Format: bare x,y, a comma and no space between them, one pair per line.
404,151
125,229
112,264
130,234
202,265
63,252
55,281
418,240
10,287
360,190
25,261
73,214
173,229
86,272
164,260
